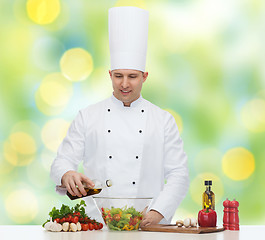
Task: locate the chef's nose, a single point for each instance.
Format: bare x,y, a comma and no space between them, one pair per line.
125,82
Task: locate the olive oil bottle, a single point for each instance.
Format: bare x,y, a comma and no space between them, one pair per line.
92,191
208,197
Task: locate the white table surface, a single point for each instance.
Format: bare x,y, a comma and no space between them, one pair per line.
36,232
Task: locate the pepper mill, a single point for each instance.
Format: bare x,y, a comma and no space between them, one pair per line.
233,215
226,205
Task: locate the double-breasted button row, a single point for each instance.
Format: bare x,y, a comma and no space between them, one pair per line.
140,131
141,110
110,157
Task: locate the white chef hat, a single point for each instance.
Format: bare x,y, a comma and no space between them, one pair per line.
128,34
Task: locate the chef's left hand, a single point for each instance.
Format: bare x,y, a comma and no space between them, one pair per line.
152,217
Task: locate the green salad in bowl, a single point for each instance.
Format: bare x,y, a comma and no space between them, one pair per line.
122,214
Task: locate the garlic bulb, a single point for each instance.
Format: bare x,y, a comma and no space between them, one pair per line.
53,226
56,227
48,225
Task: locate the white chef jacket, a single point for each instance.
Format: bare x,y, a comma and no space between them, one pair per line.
137,147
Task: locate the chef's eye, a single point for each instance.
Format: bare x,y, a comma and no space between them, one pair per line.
118,76
132,76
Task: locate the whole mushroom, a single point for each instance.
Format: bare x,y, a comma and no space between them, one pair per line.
187,222
179,223
193,222
65,226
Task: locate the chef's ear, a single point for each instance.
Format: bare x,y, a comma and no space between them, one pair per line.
110,74
145,75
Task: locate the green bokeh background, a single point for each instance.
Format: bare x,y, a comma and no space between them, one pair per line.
205,62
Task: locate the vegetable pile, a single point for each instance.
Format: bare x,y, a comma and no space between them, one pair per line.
122,219
71,219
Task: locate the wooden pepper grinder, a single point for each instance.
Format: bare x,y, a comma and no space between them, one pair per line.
233,215
226,205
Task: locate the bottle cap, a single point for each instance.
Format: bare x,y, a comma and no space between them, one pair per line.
206,183
210,182
109,183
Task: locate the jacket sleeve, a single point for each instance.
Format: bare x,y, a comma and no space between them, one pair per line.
175,172
71,151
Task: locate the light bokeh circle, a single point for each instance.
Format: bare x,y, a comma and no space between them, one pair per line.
53,133
9,153
178,119
46,108
21,206
23,143
76,64
20,148
43,11
56,90
15,158
238,164
197,187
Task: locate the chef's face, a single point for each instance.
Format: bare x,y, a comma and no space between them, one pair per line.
127,84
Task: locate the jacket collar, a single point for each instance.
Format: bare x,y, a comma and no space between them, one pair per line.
119,103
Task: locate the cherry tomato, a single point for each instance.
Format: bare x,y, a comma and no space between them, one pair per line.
96,227
100,226
90,226
84,226
75,219
77,213
62,220
57,220
69,218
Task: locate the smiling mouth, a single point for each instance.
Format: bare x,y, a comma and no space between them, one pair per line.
123,92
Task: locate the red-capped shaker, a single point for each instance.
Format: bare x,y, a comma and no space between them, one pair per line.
233,215
226,205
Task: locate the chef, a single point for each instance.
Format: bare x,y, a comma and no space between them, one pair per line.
126,138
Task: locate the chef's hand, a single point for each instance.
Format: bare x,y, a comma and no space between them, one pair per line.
71,179
152,217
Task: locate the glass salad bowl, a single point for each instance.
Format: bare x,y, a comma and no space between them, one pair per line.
122,214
